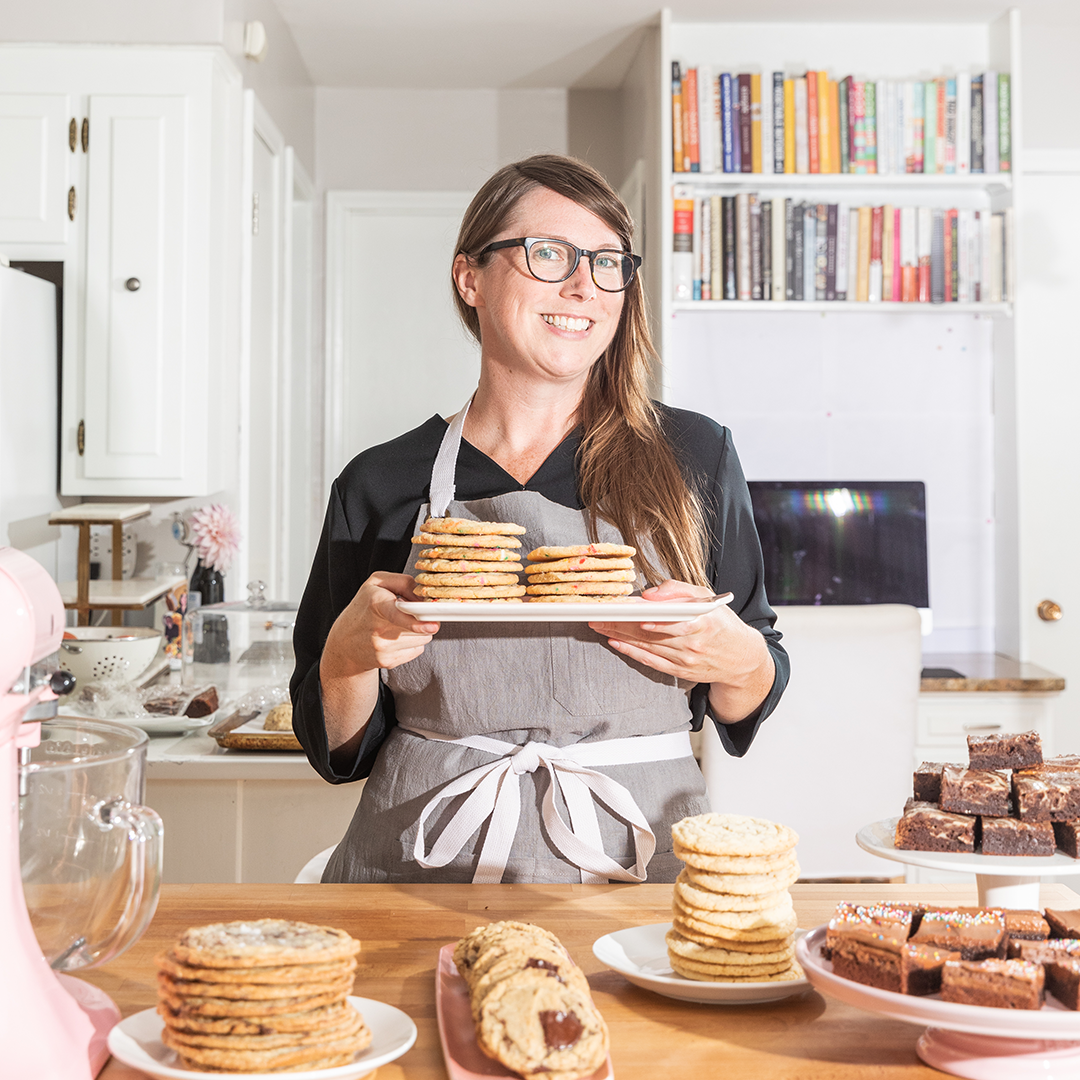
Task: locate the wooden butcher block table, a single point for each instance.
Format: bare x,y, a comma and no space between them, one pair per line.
402,928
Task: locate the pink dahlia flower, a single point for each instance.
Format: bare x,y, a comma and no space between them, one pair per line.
217,535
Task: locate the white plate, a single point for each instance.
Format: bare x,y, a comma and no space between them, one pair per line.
879,839
1052,1021
640,953
136,1041
152,725
585,611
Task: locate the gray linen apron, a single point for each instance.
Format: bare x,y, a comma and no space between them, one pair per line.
558,684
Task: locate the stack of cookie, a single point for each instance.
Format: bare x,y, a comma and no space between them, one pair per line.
733,920
584,572
530,1002
262,996
469,560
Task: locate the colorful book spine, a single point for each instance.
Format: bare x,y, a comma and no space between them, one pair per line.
692,143
939,149
886,252
831,239
798,241
821,250
700,250
756,279
716,248
865,227
1004,99
779,131
930,126
824,124
977,146
677,160
918,121
875,269
937,257
954,255
843,95
897,280
908,96
924,248
744,281
963,124
813,121
789,126
746,148
789,249
946,258
950,125
730,269
858,121
765,211
682,258
802,125
727,125
909,258
756,150
871,128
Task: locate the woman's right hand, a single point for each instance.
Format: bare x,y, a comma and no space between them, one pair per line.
370,634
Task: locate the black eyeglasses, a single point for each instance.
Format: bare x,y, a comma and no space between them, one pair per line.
556,260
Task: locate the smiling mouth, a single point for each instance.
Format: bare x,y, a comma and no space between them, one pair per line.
567,322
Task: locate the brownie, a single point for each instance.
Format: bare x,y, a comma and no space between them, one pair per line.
919,804
926,782
1063,924
1063,979
864,943
975,791
1043,795
921,967
166,704
203,703
1005,751
1038,952
931,829
1020,925
1007,836
1067,836
976,935
1057,763
1001,984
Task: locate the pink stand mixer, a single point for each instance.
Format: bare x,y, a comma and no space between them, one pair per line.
52,1027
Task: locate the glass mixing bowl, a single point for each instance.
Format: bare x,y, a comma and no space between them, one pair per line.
90,853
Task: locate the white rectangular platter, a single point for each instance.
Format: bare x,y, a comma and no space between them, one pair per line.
637,611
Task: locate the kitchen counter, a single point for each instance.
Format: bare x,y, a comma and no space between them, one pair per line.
989,672
402,928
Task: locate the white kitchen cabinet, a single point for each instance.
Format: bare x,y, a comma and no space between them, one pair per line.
151,257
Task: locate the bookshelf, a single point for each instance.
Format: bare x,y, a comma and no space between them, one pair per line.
847,362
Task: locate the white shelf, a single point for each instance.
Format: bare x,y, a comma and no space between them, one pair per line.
133,594
967,181
766,307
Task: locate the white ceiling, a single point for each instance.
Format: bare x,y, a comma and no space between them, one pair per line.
457,44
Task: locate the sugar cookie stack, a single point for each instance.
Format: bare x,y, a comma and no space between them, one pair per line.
469,560
530,1002
585,572
733,920
267,995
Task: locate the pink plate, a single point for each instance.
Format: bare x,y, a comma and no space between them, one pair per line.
464,1058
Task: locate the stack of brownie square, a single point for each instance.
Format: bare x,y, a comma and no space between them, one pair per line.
1006,801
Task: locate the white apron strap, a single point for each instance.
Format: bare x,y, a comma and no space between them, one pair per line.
442,473
494,793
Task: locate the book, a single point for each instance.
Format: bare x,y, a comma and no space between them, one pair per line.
857,119
853,255
831,238
842,241
755,247
746,148
802,137
821,250
937,257
727,123
886,252
716,248
834,126
963,256
909,259
677,162
947,257
691,141
870,95
766,207
939,149
779,261
963,124
703,236
990,122
743,279
706,130
824,124
1007,255
918,123
813,120
756,150
881,125
985,256
731,291
950,125
798,240
843,94
865,222
908,136
1004,122
810,220
779,132
874,272
789,125
976,123
897,280
953,265
682,258
930,126
997,222
923,249
696,248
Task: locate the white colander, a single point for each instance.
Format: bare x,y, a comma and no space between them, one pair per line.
109,653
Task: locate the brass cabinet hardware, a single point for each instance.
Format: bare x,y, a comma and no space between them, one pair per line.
80,438
85,134
73,131
133,284
71,203
1049,611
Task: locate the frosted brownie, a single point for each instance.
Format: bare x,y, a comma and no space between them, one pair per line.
926,781
1067,836
864,943
1057,763
1005,751
976,935
1038,952
1001,984
1007,836
975,791
921,967
1063,924
926,828
1042,796
1020,924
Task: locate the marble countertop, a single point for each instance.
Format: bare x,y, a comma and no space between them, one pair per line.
993,672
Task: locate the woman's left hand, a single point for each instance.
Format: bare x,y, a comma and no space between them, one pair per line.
716,647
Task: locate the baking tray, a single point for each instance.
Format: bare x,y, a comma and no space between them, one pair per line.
244,731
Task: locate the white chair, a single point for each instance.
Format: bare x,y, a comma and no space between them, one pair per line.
838,752
312,871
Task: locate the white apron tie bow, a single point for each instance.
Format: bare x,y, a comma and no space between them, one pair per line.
495,793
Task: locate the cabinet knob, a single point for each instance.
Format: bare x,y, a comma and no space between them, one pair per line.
133,284
1049,611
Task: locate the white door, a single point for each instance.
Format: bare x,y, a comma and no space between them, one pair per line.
35,154
135,288
1048,435
396,352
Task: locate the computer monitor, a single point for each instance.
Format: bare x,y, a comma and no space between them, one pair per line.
843,542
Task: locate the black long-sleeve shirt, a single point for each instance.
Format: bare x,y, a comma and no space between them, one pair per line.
369,524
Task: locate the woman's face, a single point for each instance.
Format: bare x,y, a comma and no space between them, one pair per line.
558,330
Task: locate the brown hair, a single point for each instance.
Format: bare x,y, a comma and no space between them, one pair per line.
628,471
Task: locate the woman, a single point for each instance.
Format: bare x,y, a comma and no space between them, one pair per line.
532,751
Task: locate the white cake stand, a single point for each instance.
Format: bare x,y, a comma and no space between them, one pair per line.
1005,881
